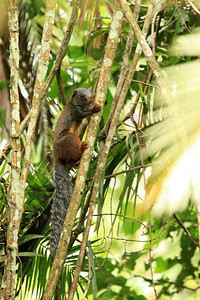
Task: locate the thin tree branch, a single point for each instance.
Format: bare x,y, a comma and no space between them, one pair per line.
149,218
5,151
145,47
60,86
7,146
17,183
111,224
15,208
127,171
94,280
123,71
193,6
162,281
39,83
80,222
141,157
122,216
63,48
145,83
89,275
187,231
156,239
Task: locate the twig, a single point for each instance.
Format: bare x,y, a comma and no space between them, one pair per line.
146,83
162,281
154,39
183,20
7,147
60,86
156,239
7,159
187,231
111,224
89,275
5,151
92,266
193,6
124,171
80,222
122,216
149,217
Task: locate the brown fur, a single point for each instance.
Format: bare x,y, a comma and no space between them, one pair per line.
68,149
67,145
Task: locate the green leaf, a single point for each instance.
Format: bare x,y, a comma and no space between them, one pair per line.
75,51
29,254
29,237
34,8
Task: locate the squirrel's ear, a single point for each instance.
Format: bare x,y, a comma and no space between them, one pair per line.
74,93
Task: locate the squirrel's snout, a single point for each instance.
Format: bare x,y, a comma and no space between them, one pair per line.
90,99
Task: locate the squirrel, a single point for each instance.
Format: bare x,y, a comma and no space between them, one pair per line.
68,150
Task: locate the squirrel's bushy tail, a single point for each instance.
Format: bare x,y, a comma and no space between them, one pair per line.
60,205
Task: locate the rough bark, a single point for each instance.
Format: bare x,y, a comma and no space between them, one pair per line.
18,175
100,97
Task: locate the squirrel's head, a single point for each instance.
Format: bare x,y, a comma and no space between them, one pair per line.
81,97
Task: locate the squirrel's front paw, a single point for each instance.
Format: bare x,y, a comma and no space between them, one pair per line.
96,108
84,145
